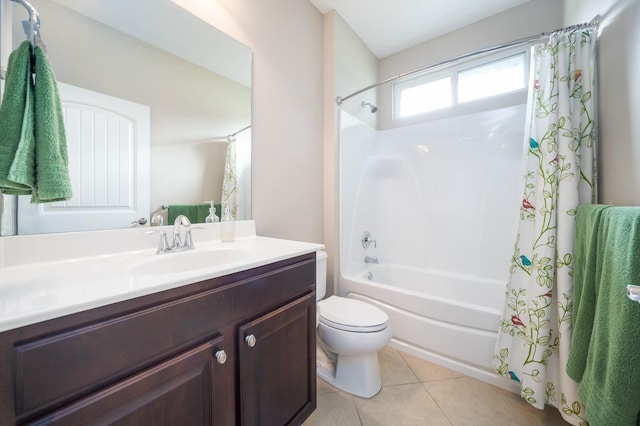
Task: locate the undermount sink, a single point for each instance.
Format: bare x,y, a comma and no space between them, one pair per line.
184,261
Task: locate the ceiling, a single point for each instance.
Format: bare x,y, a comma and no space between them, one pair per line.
388,27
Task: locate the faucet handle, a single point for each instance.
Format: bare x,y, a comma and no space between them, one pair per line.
188,241
163,246
367,240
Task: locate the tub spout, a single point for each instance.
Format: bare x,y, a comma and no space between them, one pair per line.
368,259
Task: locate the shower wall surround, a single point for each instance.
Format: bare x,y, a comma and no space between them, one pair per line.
440,195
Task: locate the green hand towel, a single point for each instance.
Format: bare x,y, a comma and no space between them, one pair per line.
610,383
196,213
52,165
33,146
17,139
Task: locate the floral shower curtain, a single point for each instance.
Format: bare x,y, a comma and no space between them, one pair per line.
230,180
534,335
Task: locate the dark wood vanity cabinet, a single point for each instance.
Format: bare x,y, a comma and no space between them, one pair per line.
238,349
277,370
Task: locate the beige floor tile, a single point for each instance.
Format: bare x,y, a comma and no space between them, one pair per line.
334,409
470,402
401,405
394,369
324,387
428,371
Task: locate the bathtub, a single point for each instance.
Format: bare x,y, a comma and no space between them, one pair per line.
445,318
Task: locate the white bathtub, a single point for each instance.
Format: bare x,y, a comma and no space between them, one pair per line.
445,318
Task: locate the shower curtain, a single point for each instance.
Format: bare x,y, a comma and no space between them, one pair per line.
534,335
230,180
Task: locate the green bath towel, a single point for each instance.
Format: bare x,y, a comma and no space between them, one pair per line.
38,153
196,213
609,376
584,286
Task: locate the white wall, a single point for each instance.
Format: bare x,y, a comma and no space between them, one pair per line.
619,89
286,38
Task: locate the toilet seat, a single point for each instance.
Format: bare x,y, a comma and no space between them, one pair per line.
351,315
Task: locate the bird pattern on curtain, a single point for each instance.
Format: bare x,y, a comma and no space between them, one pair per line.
534,335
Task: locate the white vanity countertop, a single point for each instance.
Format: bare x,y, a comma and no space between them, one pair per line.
34,292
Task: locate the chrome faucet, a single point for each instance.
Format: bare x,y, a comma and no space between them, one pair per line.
368,259
181,221
177,244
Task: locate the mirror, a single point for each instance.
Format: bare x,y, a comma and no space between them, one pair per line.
195,80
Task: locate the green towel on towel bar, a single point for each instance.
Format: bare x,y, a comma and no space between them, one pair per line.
604,356
196,213
16,121
33,146
585,267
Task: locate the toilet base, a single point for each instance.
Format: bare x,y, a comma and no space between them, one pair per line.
358,375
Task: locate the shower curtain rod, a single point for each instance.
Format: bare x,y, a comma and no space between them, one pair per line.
229,137
239,131
527,40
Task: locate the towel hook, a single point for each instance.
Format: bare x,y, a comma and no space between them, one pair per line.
34,21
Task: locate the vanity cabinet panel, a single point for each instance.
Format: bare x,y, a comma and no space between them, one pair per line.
70,363
187,389
277,363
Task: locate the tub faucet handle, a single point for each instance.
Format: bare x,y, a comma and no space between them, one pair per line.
367,240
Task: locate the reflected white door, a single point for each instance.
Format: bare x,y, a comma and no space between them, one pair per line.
108,144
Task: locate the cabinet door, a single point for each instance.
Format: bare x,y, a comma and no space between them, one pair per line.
187,389
277,365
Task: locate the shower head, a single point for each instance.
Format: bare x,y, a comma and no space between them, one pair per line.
372,107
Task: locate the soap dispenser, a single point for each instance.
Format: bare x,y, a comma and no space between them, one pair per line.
212,218
228,225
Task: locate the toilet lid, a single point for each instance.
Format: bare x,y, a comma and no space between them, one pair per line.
351,315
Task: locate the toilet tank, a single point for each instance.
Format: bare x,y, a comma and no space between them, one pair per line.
321,274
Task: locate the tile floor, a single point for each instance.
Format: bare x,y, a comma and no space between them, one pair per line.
416,392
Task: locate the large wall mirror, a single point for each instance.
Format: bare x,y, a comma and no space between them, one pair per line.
194,79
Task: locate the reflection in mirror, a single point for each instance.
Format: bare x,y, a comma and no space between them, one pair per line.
195,82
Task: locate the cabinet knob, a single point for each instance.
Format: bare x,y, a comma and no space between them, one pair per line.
221,357
251,340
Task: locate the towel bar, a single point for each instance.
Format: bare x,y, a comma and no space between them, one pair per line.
633,292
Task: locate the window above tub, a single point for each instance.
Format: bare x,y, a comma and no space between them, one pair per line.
464,87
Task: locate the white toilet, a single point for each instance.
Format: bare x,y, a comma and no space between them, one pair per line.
350,334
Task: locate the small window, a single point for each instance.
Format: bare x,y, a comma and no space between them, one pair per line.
494,78
425,97
445,90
